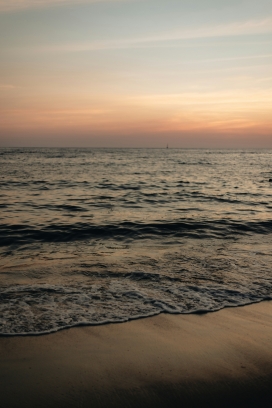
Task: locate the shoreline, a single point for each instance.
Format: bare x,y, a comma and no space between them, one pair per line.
222,358
131,319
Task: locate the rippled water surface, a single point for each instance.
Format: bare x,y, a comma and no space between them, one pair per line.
89,236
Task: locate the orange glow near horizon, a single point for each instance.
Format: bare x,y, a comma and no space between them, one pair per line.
228,115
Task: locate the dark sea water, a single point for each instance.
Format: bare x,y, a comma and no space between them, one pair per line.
90,236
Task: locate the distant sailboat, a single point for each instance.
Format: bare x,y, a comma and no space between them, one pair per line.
167,146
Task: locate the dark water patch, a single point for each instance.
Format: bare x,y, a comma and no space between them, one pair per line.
69,208
16,234
183,182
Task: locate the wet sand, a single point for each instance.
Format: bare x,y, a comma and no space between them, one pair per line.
219,359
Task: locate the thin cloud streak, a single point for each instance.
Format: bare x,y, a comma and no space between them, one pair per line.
9,6
248,57
7,86
241,28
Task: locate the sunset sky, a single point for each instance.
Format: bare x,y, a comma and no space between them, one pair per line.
136,73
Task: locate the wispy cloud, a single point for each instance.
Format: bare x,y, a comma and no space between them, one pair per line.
198,98
7,6
249,27
242,28
6,86
248,57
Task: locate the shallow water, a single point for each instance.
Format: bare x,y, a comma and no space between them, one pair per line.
89,236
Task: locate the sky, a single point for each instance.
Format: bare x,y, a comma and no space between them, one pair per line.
136,73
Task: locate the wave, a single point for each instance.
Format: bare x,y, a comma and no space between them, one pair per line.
44,309
18,233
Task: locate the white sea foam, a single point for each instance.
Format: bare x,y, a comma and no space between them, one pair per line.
37,309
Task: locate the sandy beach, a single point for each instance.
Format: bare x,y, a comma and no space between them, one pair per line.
217,359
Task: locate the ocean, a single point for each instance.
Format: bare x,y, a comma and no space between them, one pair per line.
95,236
